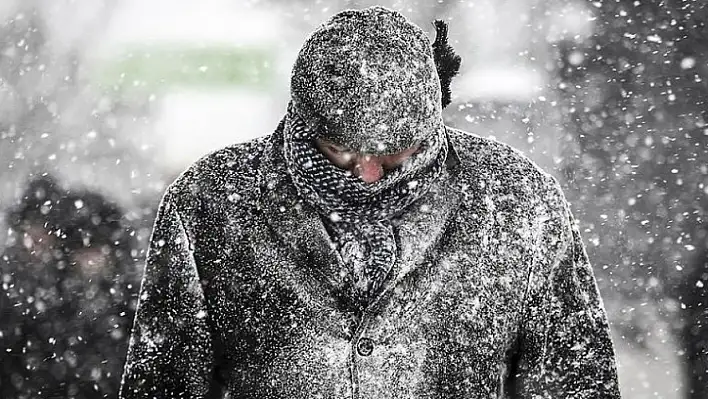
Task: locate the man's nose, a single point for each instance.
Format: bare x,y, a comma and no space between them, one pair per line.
368,168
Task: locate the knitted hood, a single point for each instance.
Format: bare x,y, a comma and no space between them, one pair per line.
368,79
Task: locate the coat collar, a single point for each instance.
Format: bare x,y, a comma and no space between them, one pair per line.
299,227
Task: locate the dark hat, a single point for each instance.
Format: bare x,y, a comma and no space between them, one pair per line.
368,79
39,199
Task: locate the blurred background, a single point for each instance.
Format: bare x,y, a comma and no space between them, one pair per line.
104,102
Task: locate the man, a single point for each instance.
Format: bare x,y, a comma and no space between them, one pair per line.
365,250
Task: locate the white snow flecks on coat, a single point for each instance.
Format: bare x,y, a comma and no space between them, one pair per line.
492,294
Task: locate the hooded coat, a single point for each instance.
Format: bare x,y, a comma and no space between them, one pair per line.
63,334
491,294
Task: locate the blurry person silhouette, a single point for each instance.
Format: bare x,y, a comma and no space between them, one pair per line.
67,282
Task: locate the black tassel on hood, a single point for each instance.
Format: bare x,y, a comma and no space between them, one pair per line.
447,62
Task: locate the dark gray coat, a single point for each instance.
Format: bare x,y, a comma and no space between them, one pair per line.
492,295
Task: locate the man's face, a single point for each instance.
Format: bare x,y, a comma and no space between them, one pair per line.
91,261
370,168
37,239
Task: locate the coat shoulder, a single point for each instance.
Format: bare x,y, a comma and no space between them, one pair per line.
502,169
491,156
225,174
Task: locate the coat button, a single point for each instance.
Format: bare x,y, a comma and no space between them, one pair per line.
365,346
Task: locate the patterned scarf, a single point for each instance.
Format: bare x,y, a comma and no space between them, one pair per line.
358,214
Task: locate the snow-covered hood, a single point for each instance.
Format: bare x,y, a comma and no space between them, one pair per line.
369,78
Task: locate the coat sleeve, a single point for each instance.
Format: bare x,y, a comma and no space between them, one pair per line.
170,353
565,349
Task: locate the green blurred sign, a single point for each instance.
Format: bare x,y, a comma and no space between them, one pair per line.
201,66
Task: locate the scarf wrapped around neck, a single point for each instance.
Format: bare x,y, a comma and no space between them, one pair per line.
358,214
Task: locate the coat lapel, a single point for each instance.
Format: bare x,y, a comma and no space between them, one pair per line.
421,228
298,226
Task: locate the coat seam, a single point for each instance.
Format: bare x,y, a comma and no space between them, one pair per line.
354,370
523,308
190,248
190,243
